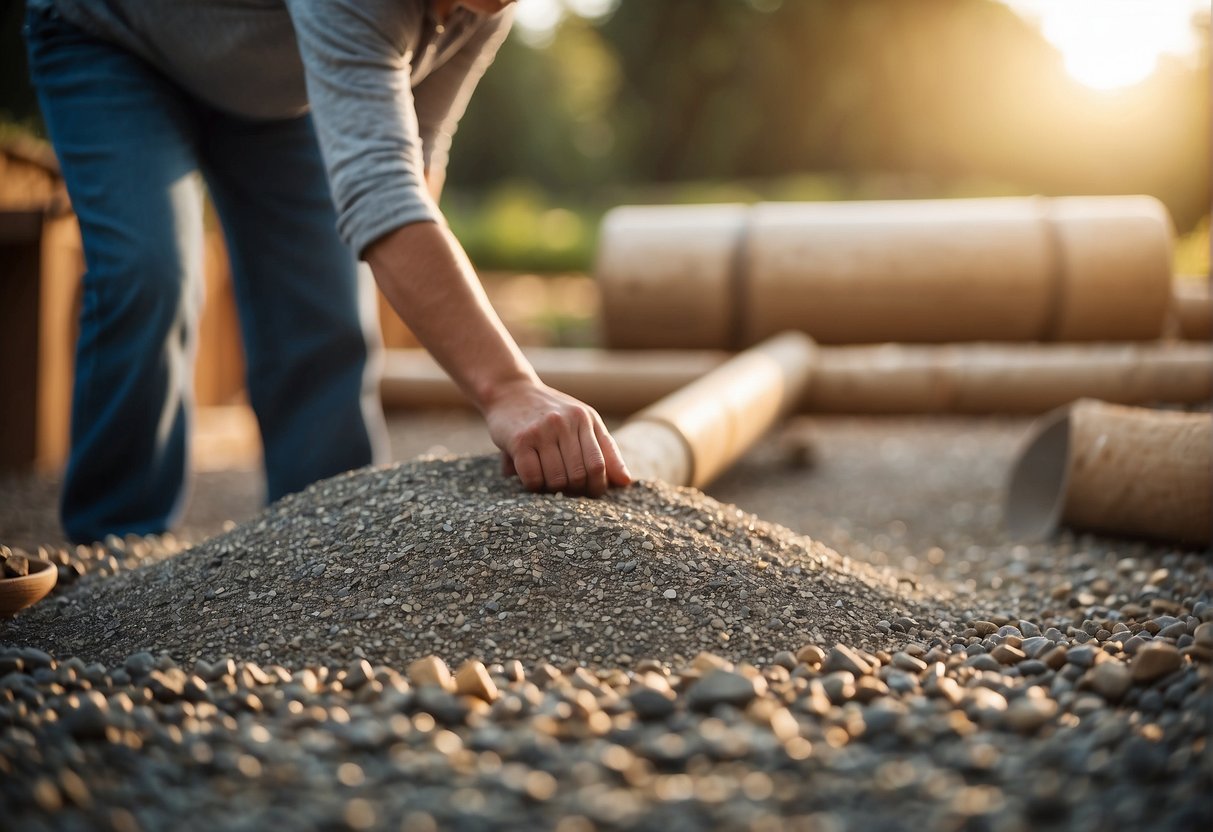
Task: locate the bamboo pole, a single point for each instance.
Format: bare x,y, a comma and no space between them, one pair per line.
692,435
1006,269
1118,470
890,378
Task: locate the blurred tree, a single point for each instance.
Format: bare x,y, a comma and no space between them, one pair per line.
545,114
17,101
932,90
911,95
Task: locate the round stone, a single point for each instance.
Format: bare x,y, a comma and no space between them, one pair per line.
1155,660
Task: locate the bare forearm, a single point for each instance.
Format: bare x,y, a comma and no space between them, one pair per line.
550,440
425,275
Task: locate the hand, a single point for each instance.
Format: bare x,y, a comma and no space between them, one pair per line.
552,441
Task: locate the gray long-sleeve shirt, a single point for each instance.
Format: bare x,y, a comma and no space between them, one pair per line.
386,82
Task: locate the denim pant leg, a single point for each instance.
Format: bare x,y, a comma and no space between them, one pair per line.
312,353
124,140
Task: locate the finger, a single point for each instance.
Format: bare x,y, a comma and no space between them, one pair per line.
616,469
573,455
530,471
595,464
507,466
554,476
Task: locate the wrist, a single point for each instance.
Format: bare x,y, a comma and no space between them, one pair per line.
493,390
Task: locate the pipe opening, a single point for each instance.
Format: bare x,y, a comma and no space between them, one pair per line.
1036,494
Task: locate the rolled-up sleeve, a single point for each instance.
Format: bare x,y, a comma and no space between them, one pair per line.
442,98
356,57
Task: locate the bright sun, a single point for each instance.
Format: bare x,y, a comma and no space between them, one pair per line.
1109,44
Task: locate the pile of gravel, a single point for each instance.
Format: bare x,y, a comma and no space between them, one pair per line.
444,556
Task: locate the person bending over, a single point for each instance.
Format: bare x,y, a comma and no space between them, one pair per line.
320,129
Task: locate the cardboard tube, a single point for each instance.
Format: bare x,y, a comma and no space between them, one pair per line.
655,451
616,382
997,378
1192,306
1118,470
666,277
890,378
1115,261
913,271
718,417
1005,269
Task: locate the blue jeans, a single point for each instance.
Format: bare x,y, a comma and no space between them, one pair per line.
134,150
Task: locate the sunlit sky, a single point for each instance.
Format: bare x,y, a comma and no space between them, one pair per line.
1106,44
1109,44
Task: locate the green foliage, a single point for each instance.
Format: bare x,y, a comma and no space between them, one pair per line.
17,101
516,226
929,92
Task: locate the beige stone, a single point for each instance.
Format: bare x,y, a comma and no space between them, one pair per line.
431,671
473,679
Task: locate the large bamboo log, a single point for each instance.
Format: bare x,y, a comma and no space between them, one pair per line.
1008,269
1119,470
890,378
695,433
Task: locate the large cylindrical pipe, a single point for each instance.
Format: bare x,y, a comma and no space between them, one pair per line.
1192,306
914,271
718,417
890,378
1005,378
668,278
1118,470
1114,264
1006,269
617,382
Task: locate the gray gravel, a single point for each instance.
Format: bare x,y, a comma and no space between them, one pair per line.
967,682
445,556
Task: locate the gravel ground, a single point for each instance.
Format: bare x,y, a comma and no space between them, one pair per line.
965,681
